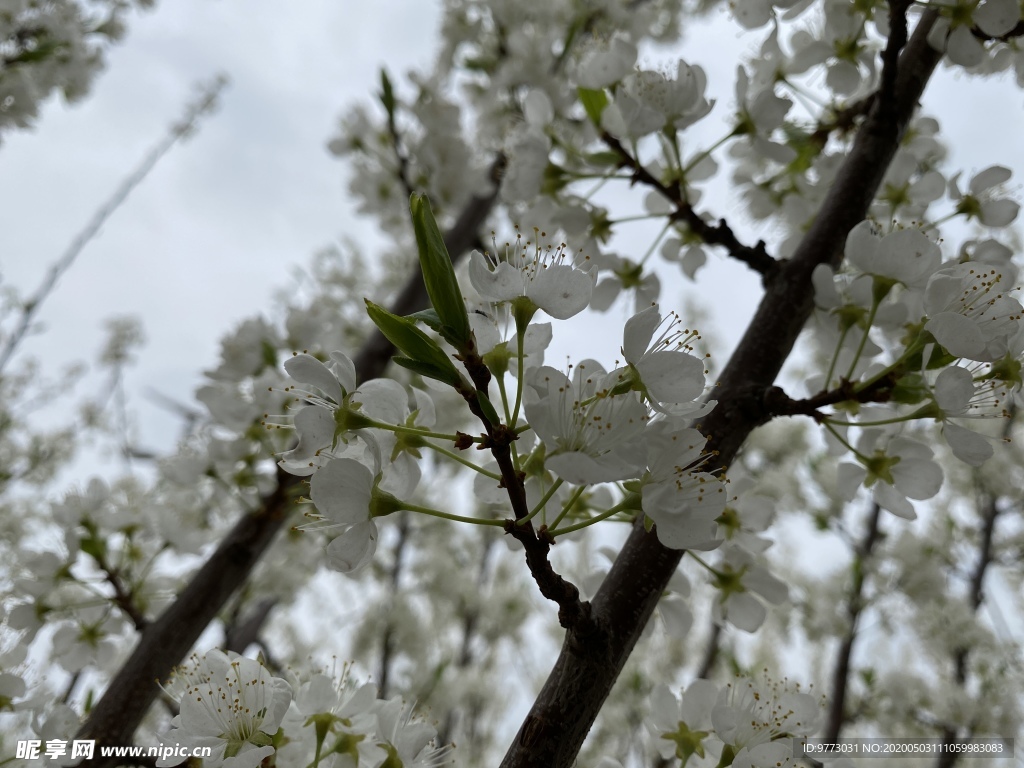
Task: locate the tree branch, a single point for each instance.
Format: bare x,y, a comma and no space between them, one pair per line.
166,641
587,667
755,257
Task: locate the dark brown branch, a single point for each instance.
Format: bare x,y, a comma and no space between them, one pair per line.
755,257
854,607
587,667
166,641
572,612
778,403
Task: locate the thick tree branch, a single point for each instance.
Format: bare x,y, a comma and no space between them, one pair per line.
587,667
166,641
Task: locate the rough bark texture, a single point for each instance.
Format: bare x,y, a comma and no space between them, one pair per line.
587,667
166,641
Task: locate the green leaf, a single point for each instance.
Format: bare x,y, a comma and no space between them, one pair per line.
594,103
419,348
426,370
439,274
428,317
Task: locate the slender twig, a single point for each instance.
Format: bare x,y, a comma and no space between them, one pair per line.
180,130
755,257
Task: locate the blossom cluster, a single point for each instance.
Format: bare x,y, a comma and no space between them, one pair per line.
234,706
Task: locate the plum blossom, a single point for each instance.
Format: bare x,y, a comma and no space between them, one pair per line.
231,704
683,501
408,741
896,471
959,396
591,435
549,277
969,314
982,201
905,256
751,716
681,726
606,63
662,367
738,577
348,496
648,101
328,416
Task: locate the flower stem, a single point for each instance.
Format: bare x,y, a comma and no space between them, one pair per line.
418,431
568,505
450,516
540,504
462,460
621,506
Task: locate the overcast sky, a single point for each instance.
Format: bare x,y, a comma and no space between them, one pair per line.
225,218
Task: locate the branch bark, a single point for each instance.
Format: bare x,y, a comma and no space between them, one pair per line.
166,641
587,667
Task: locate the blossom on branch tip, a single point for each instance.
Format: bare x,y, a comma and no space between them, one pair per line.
549,277
660,364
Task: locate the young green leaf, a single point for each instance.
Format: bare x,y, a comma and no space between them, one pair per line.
414,344
439,275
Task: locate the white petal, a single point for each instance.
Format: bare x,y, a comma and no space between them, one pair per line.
677,617
889,498
354,548
960,336
848,480
503,283
744,611
341,491
561,291
315,426
991,176
306,369
954,388
963,47
639,331
999,213
917,478
970,447
997,17
672,376
345,370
